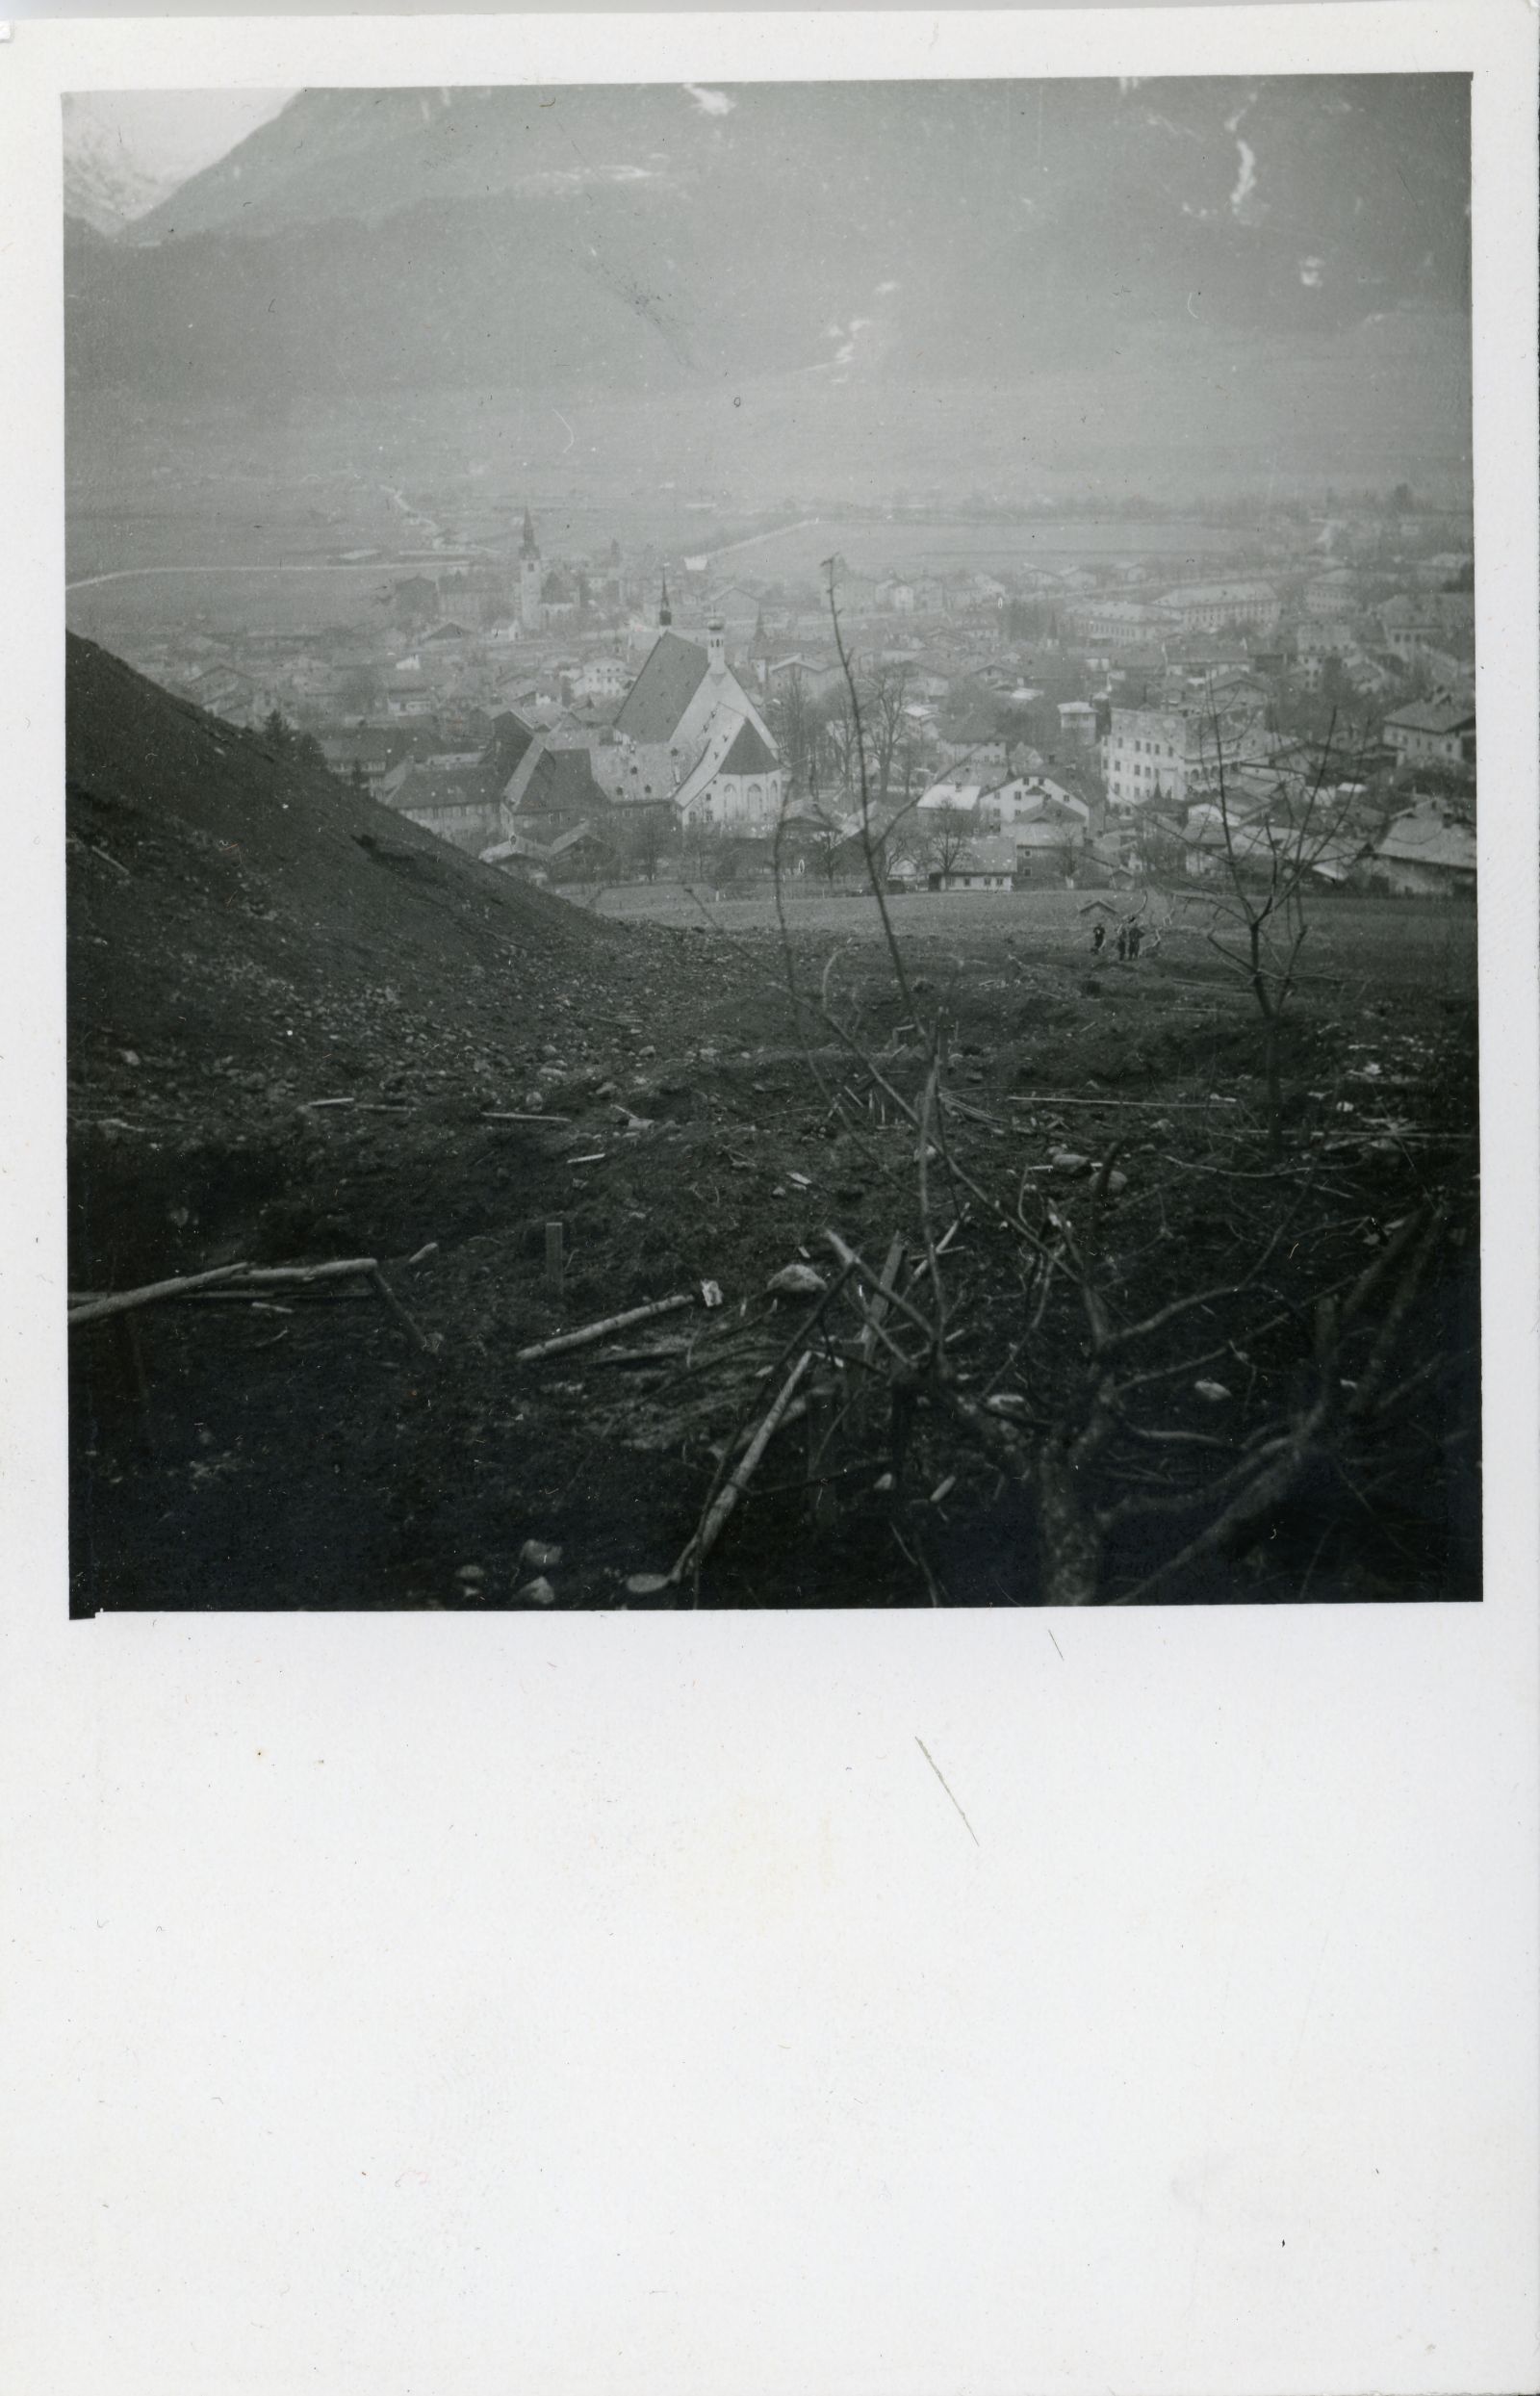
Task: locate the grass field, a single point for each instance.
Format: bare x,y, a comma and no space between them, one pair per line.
1382,942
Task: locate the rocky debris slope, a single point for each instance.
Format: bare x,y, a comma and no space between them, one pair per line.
247,935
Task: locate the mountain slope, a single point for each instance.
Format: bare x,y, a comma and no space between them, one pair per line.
223,902
599,238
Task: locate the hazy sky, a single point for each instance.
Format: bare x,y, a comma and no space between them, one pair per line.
177,133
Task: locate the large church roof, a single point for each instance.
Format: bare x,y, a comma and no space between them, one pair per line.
748,754
663,689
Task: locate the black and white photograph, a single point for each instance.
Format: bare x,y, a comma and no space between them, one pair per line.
770,1220
772,801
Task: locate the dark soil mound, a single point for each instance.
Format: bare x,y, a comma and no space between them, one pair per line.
266,909
248,935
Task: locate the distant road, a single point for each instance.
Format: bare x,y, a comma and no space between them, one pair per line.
133,573
752,540
385,565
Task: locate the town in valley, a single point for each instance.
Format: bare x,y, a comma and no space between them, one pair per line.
617,714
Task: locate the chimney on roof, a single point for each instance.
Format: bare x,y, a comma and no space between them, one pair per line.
715,647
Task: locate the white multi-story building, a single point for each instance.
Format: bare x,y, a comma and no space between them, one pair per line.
602,678
1330,594
1434,732
1171,754
1329,637
1111,622
1145,756
1208,606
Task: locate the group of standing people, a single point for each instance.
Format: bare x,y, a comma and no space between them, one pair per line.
1128,943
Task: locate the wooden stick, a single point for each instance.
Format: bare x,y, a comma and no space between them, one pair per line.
879,1296
696,1549
662,1355
602,1331
231,1294
97,1309
379,1106
1148,1106
974,1113
238,1278
236,1296
941,1247
430,1342
854,1262
296,1277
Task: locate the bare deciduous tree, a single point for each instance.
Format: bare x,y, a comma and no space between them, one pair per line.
946,832
1268,857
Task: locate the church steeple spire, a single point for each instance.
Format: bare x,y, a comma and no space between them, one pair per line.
665,614
531,613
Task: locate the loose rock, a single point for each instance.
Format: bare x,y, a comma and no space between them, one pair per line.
797,1281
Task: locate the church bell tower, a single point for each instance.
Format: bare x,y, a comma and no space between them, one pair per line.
530,608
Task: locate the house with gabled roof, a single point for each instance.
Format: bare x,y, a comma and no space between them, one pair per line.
1427,851
459,801
551,792
738,609
1427,732
987,863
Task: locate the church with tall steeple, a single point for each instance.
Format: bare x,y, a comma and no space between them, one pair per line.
531,609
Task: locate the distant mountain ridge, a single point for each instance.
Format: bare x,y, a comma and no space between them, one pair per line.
600,233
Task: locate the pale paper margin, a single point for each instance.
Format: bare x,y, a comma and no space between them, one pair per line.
617,2004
